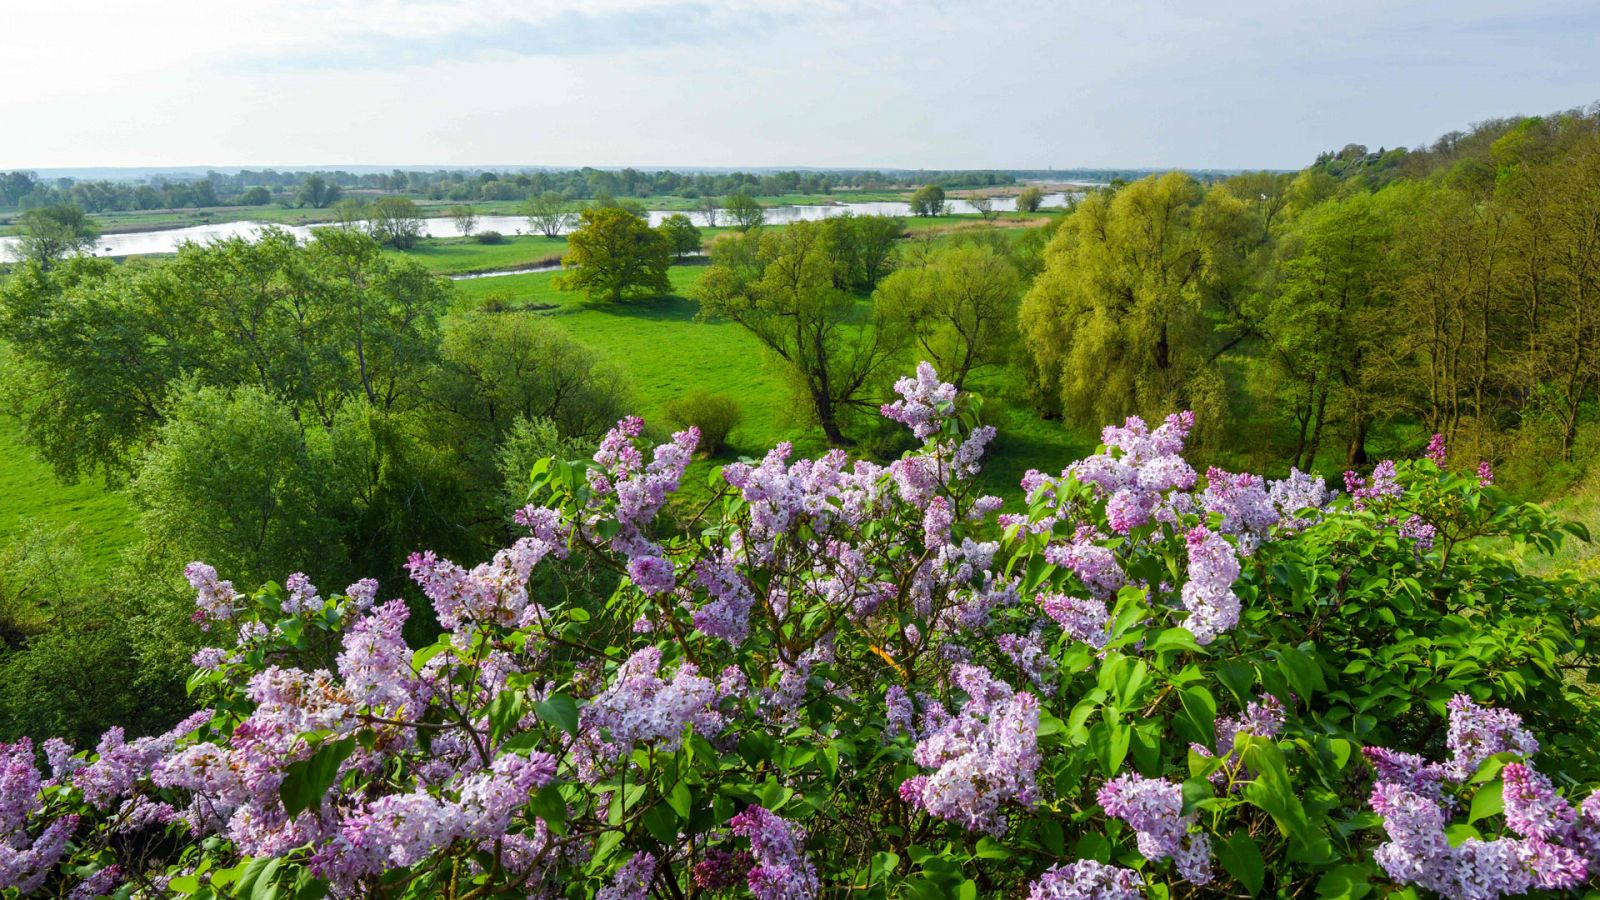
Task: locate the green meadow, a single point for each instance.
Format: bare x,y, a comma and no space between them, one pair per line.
659,344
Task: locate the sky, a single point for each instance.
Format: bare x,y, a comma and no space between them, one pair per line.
822,83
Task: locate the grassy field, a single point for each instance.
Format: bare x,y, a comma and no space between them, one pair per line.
666,352
461,256
102,519
659,344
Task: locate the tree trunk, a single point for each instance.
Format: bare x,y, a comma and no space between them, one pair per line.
1357,454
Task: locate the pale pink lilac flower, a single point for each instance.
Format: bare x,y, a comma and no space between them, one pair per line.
1086,879
1153,807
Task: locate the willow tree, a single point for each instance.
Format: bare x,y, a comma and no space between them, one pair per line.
1124,317
959,306
779,285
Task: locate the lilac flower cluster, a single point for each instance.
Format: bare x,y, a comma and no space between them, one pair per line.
1086,879
633,492
726,615
1152,807
781,870
1208,594
642,707
1478,732
1260,718
302,594
1555,848
1295,495
924,402
491,594
1084,620
1382,485
1094,565
984,756
215,597
1138,467
632,881
721,869
1243,503
25,861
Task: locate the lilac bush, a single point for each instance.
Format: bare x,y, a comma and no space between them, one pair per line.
828,676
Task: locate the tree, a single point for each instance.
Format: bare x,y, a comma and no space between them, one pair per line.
1139,292
984,205
233,477
863,248
49,233
465,217
928,200
779,286
1030,198
395,221
744,211
709,207
97,351
316,191
350,214
256,196
1326,323
548,213
960,308
680,234
614,254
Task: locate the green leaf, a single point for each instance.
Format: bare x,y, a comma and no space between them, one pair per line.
560,711
884,864
680,799
1300,669
1109,740
968,891
1199,714
1488,801
1242,858
1344,883
662,823
1173,639
989,848
505,710
550,806
257,881
306,781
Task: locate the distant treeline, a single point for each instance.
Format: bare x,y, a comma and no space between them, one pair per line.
252,187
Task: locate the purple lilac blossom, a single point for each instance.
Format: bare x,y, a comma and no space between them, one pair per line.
1208,594
632,880
1086,879
781,871
923,404
1152,807
1085,620
984,756
642,707
1296,494
1477,733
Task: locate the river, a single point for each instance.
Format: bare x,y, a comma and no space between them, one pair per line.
168,240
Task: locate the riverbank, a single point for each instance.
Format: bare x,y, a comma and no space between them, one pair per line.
138,221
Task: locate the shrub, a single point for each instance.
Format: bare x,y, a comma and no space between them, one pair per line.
840,677
489,237
716,415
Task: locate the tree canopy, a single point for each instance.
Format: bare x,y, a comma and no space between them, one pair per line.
614,255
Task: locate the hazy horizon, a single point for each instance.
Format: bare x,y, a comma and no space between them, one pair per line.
822,84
